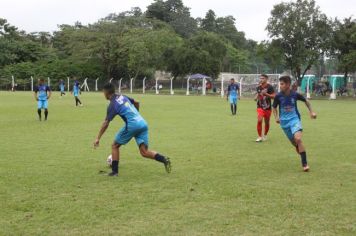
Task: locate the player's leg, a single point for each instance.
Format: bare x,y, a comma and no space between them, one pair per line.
266,117
259,124
235,105
231,101
46,109
142,142
297,130
115,155
76,100
121,138
39,107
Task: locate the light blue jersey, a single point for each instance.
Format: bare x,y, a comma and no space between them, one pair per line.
288,112
61,87
76,89
41,91
135,125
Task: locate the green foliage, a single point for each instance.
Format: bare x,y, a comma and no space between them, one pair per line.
344,44
303,33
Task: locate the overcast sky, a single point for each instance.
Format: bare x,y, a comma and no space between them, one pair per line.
251,15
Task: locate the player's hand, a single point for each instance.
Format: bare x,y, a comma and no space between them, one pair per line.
96,143
313,115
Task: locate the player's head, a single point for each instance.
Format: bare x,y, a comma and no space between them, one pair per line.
41,81
109,90
232,80
285,82
263,79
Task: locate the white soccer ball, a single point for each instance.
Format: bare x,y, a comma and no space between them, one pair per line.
109,160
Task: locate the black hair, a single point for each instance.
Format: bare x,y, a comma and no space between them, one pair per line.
265,76
286,79
110,88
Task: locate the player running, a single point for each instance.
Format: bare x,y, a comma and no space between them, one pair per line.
61,87
135,127
76,92
42,93
264,96
289,118
233,91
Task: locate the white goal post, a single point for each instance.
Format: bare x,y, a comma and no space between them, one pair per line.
247,82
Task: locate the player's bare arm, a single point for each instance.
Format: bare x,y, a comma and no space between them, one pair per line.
137,105
103,128
49,94
311,112
276,116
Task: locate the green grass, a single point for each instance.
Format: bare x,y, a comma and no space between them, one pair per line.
222,183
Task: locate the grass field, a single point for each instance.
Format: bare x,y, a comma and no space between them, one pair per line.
222,182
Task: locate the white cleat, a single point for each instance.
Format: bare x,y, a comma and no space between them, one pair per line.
264,138
259,139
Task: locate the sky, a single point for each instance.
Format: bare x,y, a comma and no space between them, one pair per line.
251,15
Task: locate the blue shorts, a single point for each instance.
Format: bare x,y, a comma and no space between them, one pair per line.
290,127
233,99
42,104
140,133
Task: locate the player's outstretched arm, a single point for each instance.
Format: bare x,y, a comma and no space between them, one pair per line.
103,128
311,112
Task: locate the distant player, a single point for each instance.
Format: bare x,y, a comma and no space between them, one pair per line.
264,96
135,127
42,94
233,91
61,87
289,118
76,92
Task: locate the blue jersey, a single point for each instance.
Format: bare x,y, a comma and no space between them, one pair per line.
76,89
61,86
124,107
232,90
288,108
42,90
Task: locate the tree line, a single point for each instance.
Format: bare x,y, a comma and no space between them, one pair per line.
135,44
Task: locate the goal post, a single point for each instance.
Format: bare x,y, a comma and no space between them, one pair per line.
248,82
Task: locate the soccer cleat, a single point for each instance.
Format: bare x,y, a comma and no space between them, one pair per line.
306,168
168,165
264,138
259,139
111,174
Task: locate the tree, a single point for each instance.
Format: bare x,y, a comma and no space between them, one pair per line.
175,14
344,45
303,32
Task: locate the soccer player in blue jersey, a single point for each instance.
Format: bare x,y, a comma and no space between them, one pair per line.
76,92
233,94
289,118
61,87
42,94
135,127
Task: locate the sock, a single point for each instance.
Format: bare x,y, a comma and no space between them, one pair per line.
266,129
259,128
76,101
160,158
303,156
232,108
79,102
115,166
46,113
39,113
235,108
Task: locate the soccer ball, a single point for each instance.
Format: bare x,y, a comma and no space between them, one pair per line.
109,160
